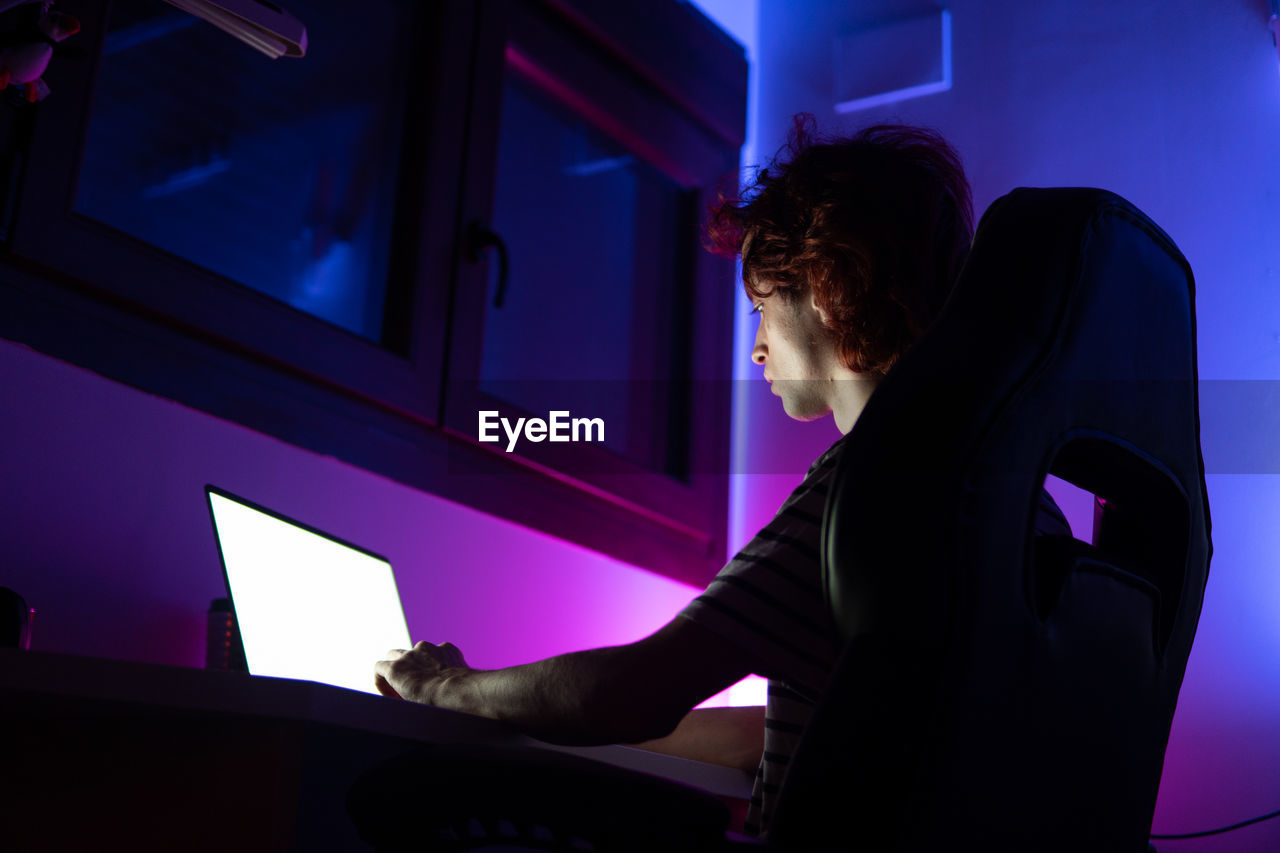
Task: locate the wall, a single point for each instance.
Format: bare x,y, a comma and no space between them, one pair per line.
1175,106
106,533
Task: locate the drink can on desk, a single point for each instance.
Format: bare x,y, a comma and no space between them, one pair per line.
223,649
16,619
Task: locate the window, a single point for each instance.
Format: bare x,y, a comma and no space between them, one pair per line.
280,176
292,245
585,320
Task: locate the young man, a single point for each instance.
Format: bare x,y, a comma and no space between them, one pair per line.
849,247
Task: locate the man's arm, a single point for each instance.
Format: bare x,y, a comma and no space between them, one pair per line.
621,694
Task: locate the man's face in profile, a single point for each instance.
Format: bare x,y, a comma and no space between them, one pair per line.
797,352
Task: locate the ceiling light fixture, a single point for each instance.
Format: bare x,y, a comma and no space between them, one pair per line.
261,25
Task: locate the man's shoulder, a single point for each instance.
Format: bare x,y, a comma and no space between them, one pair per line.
827,461
809,497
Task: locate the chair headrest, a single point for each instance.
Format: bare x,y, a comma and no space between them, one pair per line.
1067,346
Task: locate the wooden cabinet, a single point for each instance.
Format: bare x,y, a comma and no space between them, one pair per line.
444,212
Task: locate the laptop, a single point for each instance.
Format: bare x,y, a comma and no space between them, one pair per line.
309,605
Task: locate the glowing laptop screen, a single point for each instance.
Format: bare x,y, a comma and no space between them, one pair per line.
308,605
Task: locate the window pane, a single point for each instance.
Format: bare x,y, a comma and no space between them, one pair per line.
278,174
592,232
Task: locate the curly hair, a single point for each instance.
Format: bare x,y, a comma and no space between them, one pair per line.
876,226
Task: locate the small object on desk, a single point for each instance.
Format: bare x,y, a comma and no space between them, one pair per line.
223,649
16,619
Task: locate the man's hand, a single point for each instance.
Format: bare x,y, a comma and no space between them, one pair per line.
618,694
415,674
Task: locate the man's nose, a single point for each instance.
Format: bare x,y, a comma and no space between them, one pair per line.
761,349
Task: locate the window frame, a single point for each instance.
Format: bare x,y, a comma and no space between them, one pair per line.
588,80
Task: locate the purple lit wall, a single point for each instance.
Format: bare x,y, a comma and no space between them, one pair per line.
1175,106
106,534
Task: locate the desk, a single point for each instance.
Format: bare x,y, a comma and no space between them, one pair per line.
104,754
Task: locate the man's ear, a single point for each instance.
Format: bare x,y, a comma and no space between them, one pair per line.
822,315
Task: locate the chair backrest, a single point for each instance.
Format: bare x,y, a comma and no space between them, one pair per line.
1000,690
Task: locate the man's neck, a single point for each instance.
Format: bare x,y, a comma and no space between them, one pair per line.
849,397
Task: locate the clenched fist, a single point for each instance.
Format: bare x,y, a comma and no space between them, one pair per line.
414,674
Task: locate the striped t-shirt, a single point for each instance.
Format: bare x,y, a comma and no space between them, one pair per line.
769,601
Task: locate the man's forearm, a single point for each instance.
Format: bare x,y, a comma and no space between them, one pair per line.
582,698
621,694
